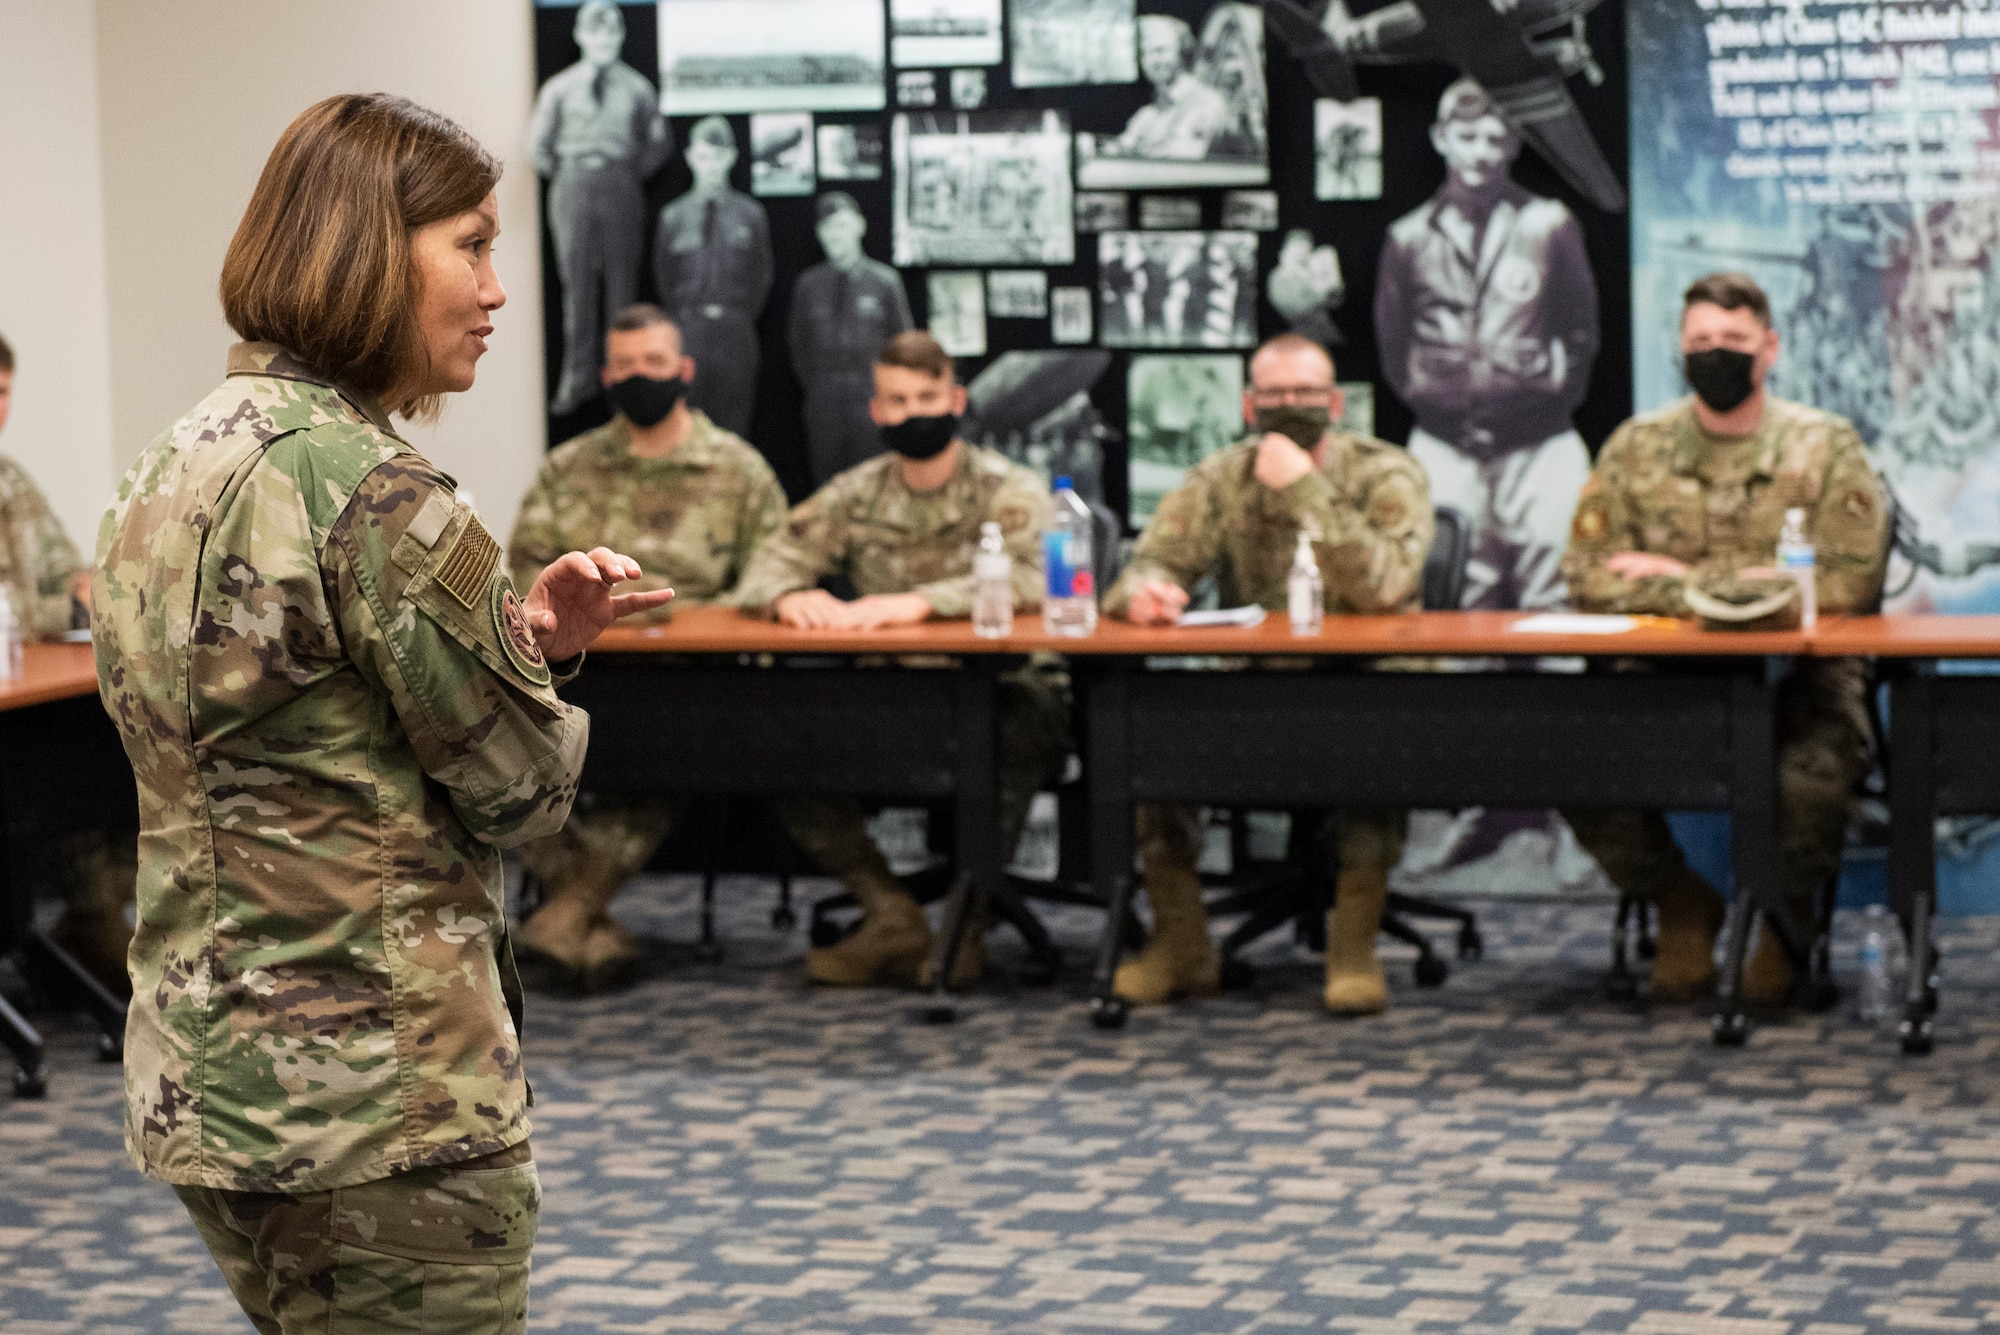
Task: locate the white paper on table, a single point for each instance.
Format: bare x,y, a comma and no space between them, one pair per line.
1574,623
1245,617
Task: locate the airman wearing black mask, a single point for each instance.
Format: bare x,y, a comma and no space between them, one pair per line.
1695,492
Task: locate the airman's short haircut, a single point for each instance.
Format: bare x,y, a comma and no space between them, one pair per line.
320,263
713,131
1282,344
6,358
641,315
1731,291
917,350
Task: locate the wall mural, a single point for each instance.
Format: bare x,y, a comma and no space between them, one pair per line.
1100,206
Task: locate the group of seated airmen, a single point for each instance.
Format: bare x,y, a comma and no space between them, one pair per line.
1693,492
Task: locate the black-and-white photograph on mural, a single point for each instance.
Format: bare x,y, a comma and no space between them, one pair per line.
1358,413
1070,319
850,152
712,266
1058,43
1206,122
944,32
916,88
1035,408
1103,210
781,153
1306,286
1017,294
596,135
771,55
968,89
1347,148
1169,213
983,188
1250,210
958,311
843,310
1177,289
1179,411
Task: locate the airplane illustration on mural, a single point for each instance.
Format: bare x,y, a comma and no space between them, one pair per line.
1520,51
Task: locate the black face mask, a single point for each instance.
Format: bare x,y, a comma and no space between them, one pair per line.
1302,422
921,437
1720,377
645,400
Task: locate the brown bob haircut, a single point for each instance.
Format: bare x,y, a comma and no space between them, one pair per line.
320,263
916,350
1732,292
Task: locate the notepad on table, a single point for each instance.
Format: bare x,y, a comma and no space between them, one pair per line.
1574,623
1227,616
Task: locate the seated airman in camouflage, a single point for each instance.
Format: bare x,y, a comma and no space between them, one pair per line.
47,583
903,528
1238,517
690,501
1698,492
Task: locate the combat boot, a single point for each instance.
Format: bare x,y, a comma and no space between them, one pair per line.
1179,959
556,937
1691,914
969,965
889,947
1354,981
610,957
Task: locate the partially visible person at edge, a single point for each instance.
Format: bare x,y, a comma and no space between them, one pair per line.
691,501
903,528
49,586
1366,508
1694,492
338,710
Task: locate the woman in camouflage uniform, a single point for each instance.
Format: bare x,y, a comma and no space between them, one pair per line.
338,710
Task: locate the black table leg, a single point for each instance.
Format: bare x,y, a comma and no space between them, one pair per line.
1753,839
1110,760
977,799
31,1081
1913,844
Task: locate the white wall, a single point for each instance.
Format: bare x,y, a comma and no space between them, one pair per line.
193,97
52,303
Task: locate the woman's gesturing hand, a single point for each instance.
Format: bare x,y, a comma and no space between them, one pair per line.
572,601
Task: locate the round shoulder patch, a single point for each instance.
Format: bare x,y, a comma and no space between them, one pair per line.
510,620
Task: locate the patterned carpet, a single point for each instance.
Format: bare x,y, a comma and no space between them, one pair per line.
724,1151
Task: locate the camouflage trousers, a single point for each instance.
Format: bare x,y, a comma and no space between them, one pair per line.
1033,719
442,1251
1369,838
1822,755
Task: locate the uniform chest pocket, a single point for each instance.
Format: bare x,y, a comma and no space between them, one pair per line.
1673,520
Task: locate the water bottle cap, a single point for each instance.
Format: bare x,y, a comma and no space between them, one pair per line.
1063,483
1795,515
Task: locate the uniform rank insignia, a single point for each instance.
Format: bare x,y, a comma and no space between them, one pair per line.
466,567
510,618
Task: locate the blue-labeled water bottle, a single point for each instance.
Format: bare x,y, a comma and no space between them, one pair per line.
1797,558
1070,605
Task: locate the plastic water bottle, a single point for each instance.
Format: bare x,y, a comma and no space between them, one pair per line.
992,585
1305,591
1881,939
1797,559
1071,605
11,639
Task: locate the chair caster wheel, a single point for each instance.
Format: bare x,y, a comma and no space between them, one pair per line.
826,932
31,1084
1471,945
708,952
110,1049
1236,976
1918,1038
784,920
1731,1031
1621,987
941,1012
1432,971
1109,1012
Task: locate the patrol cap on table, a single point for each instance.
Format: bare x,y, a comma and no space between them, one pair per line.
1740,602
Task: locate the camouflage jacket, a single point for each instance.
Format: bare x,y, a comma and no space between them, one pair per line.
336,716
868,525
37,561
1370,506
690,519
1662,484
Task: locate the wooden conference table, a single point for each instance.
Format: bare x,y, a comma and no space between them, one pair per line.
1664,715
63,771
